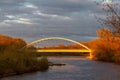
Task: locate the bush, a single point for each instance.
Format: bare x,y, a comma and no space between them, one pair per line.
104,55
43,63
117,57
17,62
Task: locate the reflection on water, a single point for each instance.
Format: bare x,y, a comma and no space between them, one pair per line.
66,67
66,58
76,68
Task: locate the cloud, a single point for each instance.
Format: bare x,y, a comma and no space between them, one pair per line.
49,17
73,1
44,10
65,6
14,19
29,5
51,7
4,24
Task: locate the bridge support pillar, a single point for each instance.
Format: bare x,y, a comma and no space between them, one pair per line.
90,55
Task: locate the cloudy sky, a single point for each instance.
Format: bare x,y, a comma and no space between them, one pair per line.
34,19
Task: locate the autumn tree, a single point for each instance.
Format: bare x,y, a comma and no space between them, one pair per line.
105,34
103,48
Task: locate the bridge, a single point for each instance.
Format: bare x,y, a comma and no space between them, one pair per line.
62,50
86,49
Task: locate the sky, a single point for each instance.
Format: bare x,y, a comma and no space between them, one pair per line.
35,19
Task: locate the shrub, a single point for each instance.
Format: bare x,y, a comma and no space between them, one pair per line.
103,55
43,63
116,57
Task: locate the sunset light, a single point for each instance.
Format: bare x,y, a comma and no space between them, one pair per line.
59,39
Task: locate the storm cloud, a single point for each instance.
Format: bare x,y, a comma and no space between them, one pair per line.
31,18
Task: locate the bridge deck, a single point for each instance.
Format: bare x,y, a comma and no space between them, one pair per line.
63,50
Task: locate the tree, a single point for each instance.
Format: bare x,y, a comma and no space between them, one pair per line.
105,34
112,9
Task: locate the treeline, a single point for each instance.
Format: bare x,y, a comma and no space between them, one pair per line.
62,54
62,46
16,61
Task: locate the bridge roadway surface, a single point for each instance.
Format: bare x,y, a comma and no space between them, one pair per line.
61,50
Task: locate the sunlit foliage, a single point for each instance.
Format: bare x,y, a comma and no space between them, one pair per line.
106,47
105,34
14,60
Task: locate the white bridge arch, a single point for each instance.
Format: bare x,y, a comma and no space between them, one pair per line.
87,49
57,38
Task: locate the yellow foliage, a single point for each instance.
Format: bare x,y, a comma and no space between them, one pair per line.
105,34
105,50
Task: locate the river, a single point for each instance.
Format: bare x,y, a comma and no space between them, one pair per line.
76,68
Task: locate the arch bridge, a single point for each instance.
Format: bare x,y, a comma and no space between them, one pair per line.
59,50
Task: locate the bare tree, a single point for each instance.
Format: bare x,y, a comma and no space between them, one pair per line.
112,9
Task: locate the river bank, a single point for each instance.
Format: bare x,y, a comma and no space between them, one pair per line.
42,65
7,74
15,61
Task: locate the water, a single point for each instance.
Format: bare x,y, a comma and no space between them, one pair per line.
76,68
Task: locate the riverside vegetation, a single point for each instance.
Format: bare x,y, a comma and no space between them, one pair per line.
107,46
14,61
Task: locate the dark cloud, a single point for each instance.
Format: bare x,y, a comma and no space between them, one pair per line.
53,7
65,6
53,17
11,2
